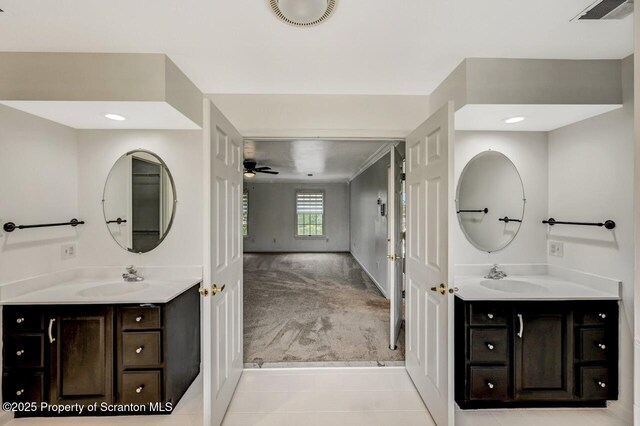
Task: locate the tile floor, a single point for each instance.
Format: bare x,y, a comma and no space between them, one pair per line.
335,396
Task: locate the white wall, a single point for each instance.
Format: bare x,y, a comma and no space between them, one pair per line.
529,153
182,152
272,217
368,227
38,184
591,178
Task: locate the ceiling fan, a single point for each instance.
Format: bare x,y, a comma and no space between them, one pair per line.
250,169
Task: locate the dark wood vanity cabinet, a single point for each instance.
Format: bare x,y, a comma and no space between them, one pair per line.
535,354
116,354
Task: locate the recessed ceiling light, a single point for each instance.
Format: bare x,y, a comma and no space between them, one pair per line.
116,117
303,13
513,120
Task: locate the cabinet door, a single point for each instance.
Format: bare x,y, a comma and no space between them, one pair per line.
543,347
81,355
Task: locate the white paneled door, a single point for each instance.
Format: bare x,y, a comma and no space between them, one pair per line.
394,238
429,304
222,286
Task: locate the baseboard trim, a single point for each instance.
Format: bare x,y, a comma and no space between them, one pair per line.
382,290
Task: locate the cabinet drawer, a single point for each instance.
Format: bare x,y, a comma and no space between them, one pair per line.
487,314
489,383
22,318
488,345
593,345
24,351
597,314
23,387
140,387
141,349
140,318
594,383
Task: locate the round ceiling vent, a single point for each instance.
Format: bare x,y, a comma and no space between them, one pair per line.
303,13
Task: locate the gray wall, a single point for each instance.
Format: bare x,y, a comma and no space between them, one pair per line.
368,228
272,218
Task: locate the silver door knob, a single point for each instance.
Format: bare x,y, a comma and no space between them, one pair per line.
490,346
20,352
139,350
490,385
20,392
139,388
138,319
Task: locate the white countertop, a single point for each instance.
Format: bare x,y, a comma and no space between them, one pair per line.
88,286
534,287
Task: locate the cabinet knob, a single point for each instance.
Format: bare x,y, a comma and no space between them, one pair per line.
139,318
602,346
139,388
603,316
490,385
20,392
490,346
139,350
490,316
19,320
20,352
602,384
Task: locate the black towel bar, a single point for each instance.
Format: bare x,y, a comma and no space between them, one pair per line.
118,221
609,224
506,219
485,210
10,226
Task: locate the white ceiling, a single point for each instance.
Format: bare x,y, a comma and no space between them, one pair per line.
328,161
90,115
367,47
540,118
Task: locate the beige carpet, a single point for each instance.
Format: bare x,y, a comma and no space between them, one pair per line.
310,307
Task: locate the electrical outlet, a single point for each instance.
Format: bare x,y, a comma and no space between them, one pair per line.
556,248
68,251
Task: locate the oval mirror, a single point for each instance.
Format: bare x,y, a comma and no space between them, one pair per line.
490,201
139,201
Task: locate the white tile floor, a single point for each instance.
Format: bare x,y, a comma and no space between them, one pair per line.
335,396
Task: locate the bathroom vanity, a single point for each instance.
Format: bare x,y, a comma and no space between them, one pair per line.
100,351
536,353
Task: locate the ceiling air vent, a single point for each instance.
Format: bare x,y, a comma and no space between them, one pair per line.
303,13
607,9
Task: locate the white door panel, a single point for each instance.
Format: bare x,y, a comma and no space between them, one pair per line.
222,312
428,310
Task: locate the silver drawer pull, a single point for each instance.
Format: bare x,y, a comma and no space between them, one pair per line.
20,352
602,384
20,320
603,316
139,350
490,316
139,318
490,385
139,388
20,392
490,346
602,346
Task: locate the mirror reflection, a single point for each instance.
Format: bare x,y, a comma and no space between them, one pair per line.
139,201
490,201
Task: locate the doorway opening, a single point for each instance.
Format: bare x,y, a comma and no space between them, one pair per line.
323,252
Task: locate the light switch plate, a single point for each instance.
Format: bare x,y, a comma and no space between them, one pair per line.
68,251
556,248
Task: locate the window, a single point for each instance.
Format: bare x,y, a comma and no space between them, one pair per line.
245,213
309,214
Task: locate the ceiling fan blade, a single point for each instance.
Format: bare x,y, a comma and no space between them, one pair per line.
263,168
268,172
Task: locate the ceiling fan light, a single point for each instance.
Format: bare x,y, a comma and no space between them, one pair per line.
303,13
249,174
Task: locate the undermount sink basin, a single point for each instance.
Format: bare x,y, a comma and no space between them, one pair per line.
113,289
513,286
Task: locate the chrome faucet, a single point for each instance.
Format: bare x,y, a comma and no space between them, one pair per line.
132,275
495,273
